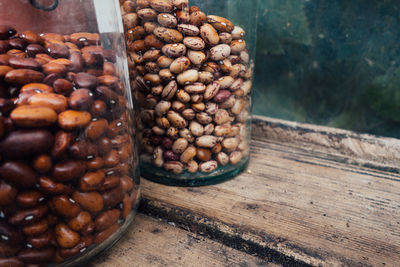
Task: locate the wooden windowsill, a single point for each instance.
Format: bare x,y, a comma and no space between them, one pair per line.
311,196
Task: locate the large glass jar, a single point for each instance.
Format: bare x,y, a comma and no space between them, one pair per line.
69,183
191,66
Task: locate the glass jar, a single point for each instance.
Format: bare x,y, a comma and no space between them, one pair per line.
69,183
191,70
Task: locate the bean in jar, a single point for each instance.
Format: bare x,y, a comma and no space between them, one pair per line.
192,75
67,160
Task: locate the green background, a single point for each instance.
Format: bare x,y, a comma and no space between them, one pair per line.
330,62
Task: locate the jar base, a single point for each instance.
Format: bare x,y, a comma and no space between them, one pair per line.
186,179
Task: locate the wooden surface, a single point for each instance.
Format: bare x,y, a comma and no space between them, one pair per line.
150,242
297,205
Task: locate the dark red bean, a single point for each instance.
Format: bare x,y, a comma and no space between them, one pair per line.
26,143
68,170
18,173
36,256
84,80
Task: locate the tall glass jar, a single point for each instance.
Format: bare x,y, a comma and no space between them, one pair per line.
69,182
191,66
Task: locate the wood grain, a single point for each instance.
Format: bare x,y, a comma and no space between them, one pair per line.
150,242
346,146
294,206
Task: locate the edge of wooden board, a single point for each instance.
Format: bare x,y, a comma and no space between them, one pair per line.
345,146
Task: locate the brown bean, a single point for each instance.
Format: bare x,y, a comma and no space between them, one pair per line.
48,186
90,201
95,164
64,206
25,143
7,193
66,238
23,76
80,221
197,18
36,229
84,80
29,199
113,197
83,244
96,129
91,181
24,63
33,116
102,236
54,101
28,216
35,256
71,119
80,99
40,241
68,170
54,68
98,108
203,154
18,173
220,23
106,219
11,262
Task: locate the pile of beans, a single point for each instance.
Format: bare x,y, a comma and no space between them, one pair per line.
66,154
192,79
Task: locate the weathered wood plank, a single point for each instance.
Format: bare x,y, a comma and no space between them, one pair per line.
347,146
150,242
296,206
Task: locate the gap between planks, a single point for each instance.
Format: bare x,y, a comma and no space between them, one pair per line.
295,207
150,242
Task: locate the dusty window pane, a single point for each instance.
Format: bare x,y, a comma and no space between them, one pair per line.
333,63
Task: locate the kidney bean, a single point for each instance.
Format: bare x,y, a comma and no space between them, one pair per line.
80,221
23,143
102,236
64,206
48,186
203,154
35,256
18,173
91,181
83,244
28,216
10,235
89,201
112,197
88,229
66,238
68,170
29,199
14,262
106,219
37,228
72,119
40,241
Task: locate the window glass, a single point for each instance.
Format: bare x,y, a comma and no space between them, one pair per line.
330,62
